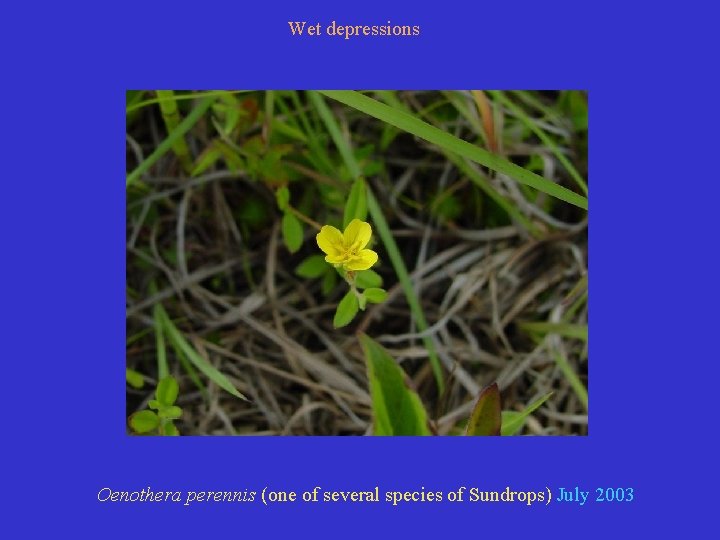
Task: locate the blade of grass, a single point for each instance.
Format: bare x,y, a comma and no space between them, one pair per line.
210,371
461,104
477,179
547,141
577,291
449,142
288,130
529,99
160,342
581,300
577,331
462,164
215,93
171,117
191,372
404,278
334,130
389,132
318,154
138,336
385,235
575,383
513,421
269,112
483,105
159,326
182,128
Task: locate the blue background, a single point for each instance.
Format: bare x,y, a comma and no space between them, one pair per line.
653,169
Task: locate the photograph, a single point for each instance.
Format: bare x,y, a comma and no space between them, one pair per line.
344,262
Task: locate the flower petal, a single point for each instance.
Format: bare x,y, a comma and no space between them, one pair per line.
357,235
330,240
363,260
336,259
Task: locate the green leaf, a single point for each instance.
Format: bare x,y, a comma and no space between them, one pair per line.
312,267
368,278
205,160
513,421
144,421
486,417
154,404
287,130
230,154
170,430
282,195
210,371
292,232
397,410
346,310
133,378
372,168
170,412
167,391
356,205
375,296
447,141
328,282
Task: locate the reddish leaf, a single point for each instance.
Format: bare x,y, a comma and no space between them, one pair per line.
486,418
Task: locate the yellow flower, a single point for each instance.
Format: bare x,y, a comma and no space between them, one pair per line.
347,249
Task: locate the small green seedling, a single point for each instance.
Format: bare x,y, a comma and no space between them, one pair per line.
159,420
134,379
292,230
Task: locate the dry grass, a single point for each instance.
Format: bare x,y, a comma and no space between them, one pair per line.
231,289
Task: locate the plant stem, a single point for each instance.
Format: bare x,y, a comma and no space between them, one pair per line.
304,218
